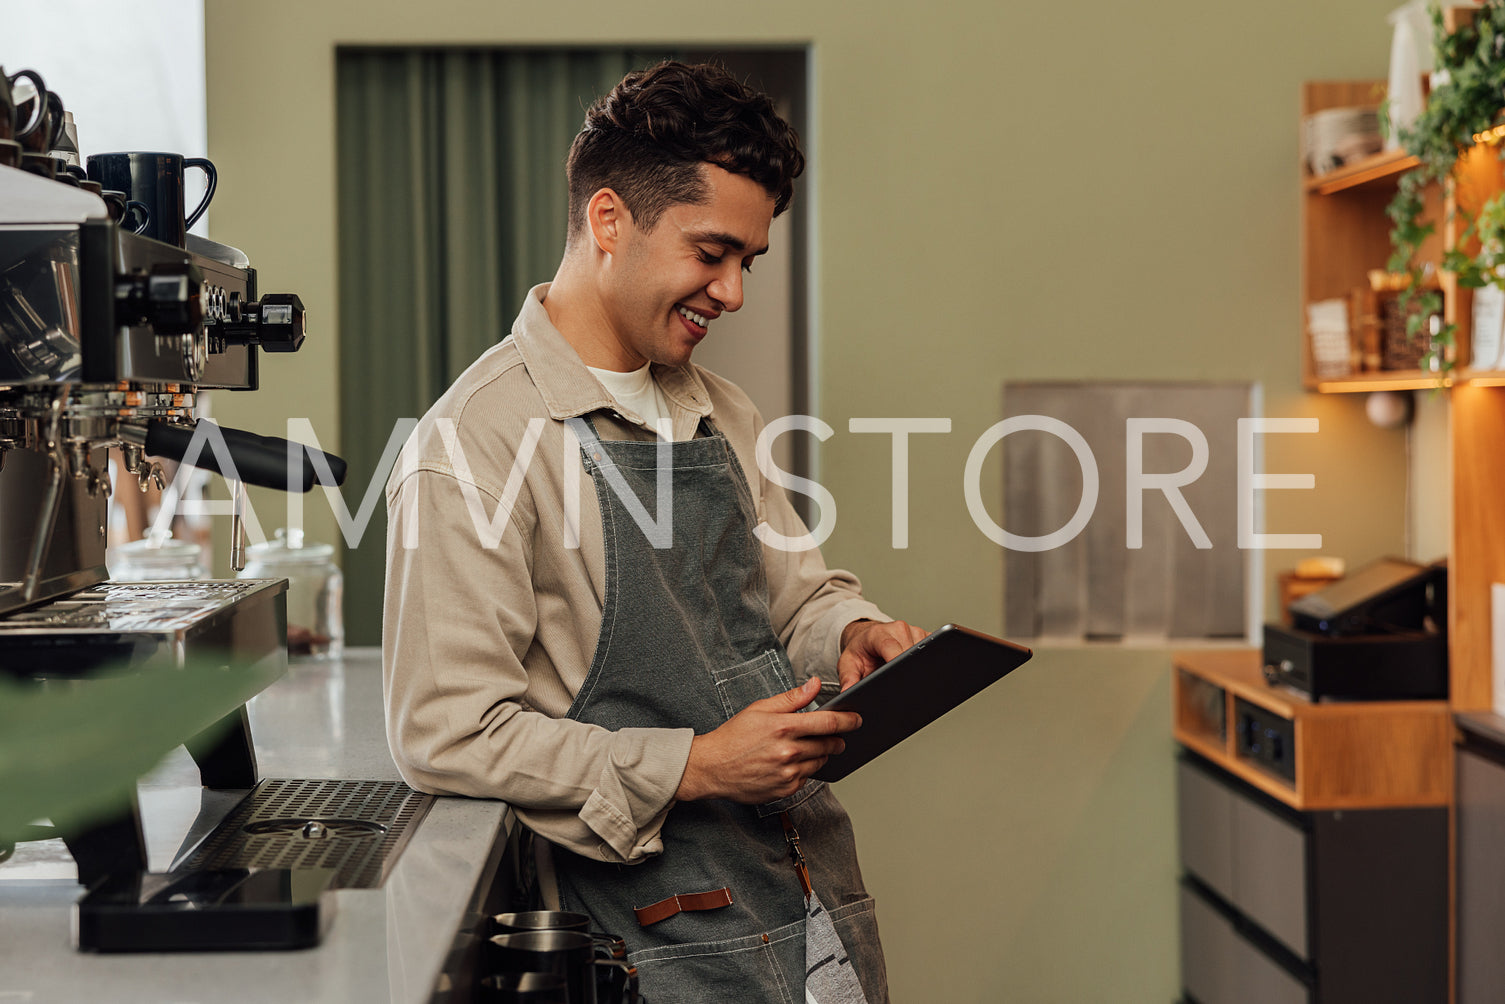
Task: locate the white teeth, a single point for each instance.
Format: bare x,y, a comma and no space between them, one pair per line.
689,314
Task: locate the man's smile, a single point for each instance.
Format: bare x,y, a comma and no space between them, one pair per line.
697,323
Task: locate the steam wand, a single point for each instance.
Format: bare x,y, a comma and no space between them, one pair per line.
238,525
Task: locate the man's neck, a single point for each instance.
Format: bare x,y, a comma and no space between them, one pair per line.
575,309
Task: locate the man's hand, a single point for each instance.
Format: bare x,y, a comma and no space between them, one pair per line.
866,645
767,750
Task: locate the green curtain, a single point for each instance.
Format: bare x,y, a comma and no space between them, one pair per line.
452,204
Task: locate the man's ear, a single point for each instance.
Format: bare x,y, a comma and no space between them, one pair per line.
608,219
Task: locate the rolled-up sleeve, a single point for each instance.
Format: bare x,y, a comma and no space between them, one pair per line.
460,616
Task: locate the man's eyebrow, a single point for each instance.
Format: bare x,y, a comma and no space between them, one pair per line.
729,241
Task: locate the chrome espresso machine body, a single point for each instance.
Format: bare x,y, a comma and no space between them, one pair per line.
106,336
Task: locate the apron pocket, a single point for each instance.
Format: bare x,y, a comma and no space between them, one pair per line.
740,685
716,972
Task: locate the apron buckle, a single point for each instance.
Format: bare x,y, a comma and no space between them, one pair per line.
795,854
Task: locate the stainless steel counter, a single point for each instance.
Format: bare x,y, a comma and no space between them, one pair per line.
322,720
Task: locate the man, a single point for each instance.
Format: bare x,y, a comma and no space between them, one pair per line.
604,626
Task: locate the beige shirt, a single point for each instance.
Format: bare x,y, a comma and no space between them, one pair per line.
492,611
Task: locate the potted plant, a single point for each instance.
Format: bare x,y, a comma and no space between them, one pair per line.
1468,92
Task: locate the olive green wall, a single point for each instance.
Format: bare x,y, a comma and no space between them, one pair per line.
1095,190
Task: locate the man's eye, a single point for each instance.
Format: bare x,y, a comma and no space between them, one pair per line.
710,259
747,265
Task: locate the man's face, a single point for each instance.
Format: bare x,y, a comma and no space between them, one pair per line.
665,287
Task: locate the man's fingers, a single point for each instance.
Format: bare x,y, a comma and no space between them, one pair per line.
790,700
826,723
822,747
890,647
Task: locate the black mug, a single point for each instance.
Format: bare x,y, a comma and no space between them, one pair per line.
9,127
126,212
155,179
39,164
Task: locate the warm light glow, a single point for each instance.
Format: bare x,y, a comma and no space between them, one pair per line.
1490,135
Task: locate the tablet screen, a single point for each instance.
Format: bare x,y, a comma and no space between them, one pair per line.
915,688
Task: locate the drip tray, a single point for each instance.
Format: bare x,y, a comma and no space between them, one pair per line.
356,829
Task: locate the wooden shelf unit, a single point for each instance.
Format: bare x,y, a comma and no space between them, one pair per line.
1379,169
1349,755
1346,235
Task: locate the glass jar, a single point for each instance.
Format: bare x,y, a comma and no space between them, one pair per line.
160,560
315,590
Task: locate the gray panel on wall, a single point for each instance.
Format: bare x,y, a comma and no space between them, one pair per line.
1095,586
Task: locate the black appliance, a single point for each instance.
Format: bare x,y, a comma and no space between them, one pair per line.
1379,634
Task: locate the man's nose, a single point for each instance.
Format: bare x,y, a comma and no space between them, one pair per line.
727,289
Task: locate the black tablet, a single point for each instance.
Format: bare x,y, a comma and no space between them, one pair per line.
915,688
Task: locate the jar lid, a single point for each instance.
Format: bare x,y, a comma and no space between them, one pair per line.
149,551
288,545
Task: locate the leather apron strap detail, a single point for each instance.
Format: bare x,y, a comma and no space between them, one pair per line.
795,853
714,899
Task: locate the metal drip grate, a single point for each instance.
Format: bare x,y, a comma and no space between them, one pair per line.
355,828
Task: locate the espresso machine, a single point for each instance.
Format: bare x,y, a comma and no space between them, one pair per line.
106,336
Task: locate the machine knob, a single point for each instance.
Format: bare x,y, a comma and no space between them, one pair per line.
275,322
168,298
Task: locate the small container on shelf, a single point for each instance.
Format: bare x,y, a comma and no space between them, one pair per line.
1334,137
1328,327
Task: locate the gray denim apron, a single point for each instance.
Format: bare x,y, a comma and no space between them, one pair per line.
686,641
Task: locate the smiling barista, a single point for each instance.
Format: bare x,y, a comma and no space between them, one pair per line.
616,660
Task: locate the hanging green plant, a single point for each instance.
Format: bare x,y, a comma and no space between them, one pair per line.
1466,98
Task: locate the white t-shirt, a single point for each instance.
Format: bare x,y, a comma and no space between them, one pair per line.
639,393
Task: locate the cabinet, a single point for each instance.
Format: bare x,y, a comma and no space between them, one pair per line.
1312,840
1317,907
1480,834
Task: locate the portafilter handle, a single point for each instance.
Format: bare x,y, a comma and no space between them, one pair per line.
252,459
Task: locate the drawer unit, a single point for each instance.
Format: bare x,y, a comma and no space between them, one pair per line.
1222,966
1244,852
1327,906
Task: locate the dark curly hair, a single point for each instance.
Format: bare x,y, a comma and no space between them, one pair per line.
647,140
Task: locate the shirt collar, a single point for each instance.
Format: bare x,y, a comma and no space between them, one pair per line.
568,388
